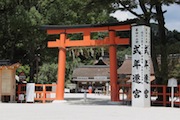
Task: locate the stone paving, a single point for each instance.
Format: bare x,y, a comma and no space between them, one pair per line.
95,107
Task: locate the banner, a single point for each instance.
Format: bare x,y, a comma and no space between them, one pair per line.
30,92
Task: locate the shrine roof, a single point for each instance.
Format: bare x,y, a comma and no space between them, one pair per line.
127,22
127,66
91,71
6,64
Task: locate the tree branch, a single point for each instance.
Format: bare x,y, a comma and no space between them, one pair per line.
129,9
142,5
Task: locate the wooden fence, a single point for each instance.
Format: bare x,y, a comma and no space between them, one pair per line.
157,91
43,92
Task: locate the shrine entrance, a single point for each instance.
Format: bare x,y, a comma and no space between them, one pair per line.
112,41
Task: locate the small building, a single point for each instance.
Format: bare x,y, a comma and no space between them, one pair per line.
95,76
98,75
125,71
7,81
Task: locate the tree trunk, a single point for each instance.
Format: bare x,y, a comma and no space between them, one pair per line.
31,58
163,47
154,56
163,76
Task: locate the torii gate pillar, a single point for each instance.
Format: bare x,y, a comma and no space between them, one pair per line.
61,68
113,68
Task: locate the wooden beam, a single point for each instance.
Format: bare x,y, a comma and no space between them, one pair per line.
91,29
52,44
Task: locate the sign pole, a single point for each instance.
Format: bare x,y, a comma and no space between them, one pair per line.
172,96
172,82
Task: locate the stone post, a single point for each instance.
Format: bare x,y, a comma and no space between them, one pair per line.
140,66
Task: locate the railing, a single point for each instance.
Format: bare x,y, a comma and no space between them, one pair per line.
43,92
157,91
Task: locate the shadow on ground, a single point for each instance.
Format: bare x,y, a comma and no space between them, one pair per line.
91,101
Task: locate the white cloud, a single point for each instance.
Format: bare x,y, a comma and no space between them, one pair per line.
122,15
172,17
173,25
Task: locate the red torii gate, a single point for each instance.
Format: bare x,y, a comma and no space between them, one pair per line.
112,41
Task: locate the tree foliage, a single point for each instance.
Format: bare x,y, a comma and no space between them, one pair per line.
22,41
25,69
47,73
150,9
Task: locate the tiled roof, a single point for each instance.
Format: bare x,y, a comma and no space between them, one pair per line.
92,73
97,72
126,67
10,66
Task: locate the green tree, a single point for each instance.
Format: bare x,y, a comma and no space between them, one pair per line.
67,13
20,35
151,9
47,73
25,69
175,72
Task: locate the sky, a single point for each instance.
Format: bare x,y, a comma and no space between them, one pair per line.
172,16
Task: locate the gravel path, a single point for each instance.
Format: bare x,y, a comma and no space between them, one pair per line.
75,108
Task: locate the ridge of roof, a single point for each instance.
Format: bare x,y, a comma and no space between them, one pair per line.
94,66
15,65
5,62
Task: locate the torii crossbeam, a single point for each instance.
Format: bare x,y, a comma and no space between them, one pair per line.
112,41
